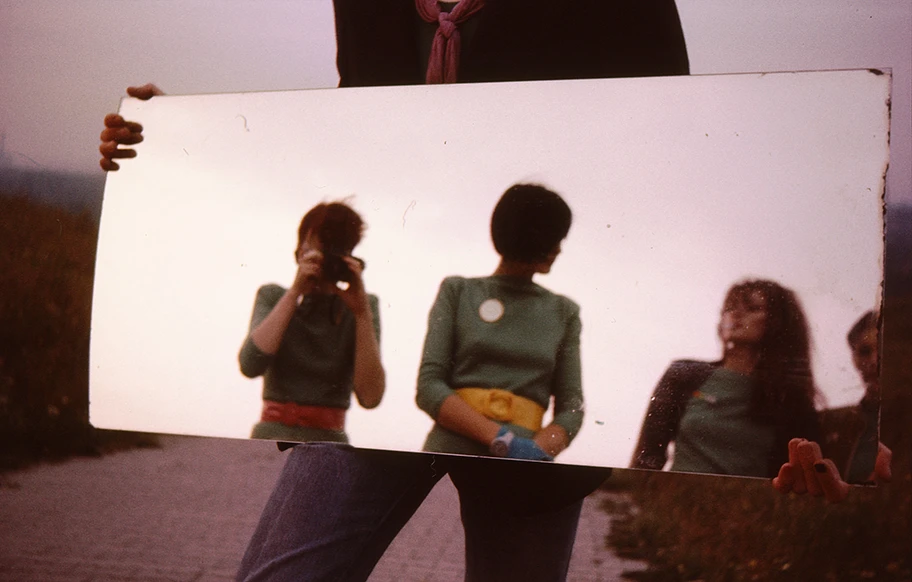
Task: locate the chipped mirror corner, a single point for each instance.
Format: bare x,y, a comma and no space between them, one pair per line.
680,188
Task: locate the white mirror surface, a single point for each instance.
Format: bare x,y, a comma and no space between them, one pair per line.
679,187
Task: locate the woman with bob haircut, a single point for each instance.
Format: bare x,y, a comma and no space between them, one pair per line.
736,416
316,342
498,350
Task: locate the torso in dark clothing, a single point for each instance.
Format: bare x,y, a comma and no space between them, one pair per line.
385,42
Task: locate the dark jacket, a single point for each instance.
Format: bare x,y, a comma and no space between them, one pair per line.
850,437
515,40
670,399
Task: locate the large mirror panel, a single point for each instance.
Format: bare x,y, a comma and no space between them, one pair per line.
679,188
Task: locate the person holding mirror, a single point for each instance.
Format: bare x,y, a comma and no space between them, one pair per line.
737,416
335,509
863,339
864,459
316,342
405,42
856,427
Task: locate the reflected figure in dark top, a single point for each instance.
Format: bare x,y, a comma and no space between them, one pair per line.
851,433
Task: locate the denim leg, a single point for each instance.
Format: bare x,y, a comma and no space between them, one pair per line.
520,518
333,513
503,545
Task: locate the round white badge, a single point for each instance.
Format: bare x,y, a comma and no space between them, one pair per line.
491,310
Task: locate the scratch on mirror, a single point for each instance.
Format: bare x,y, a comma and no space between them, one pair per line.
411,205
25,157
185,151
245,121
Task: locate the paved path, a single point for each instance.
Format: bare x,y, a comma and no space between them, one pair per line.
185,512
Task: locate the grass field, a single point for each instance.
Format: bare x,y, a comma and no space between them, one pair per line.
693,527
46,272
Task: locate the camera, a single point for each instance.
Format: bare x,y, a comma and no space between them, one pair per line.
335,268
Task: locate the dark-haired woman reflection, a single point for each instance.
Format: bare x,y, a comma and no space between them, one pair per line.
499,349
737,415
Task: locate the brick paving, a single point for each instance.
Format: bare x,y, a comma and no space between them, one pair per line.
184,512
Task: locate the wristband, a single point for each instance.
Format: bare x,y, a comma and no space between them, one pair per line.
507,444
500,446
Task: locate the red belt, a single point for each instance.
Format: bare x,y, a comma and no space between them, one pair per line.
291,414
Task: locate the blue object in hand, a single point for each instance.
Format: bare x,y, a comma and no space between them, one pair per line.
507,444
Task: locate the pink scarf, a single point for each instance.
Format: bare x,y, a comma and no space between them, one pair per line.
444,60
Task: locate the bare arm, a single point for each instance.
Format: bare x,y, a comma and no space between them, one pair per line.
369,376
267,336
552,439
456,415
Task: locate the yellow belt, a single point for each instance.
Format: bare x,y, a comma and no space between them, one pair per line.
504,406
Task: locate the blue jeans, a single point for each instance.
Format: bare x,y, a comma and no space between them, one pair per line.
335,509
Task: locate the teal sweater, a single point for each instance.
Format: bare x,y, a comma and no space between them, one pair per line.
501,332
717,435
314,364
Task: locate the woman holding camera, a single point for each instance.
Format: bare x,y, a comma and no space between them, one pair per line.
316,342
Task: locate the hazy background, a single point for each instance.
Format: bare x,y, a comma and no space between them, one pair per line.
64,65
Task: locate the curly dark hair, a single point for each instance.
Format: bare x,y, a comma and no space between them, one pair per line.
784,380
529,222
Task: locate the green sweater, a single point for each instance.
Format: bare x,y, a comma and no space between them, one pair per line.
500,332
315,361
716,434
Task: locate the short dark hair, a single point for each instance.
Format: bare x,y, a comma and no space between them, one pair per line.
528,222
338,227
867,321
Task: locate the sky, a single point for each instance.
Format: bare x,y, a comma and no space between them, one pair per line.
680,187
64,65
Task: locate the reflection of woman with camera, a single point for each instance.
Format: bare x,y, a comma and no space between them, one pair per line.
315,343
736,416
